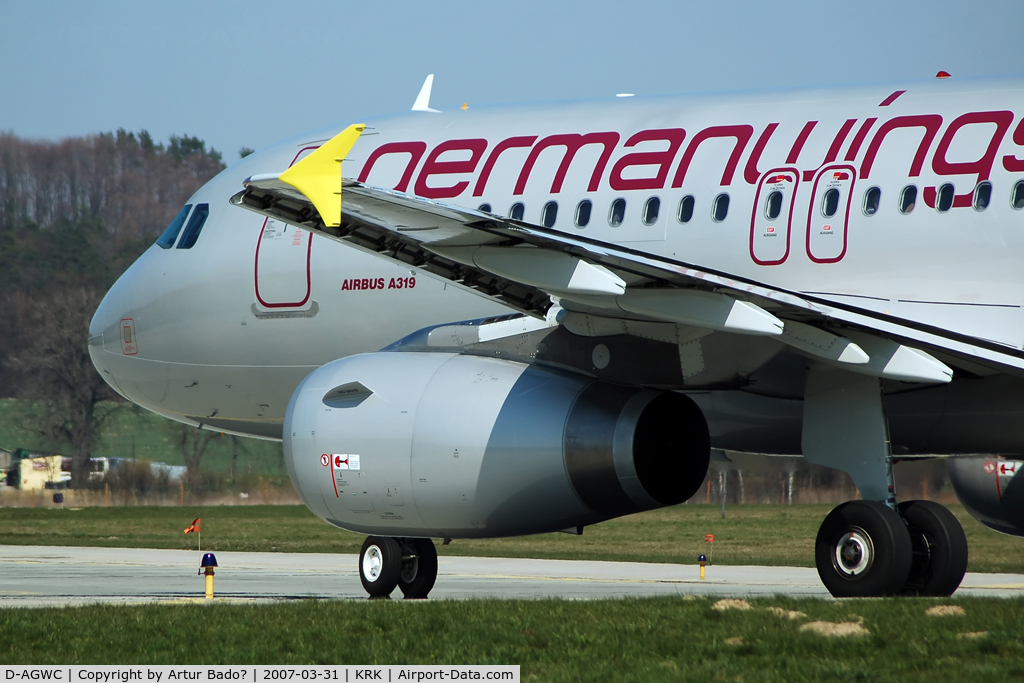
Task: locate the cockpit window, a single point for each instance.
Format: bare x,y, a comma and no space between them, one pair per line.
166,240
195,226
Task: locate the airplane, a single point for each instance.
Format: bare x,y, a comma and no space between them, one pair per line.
501,321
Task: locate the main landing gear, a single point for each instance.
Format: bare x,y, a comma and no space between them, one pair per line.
866,549
408,563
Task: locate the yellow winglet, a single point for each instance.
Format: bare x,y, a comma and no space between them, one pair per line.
318,176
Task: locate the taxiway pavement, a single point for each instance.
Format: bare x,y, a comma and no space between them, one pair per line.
43,576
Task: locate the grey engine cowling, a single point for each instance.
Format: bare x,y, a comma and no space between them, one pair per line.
992,490
444,445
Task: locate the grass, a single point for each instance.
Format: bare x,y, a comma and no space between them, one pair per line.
621,640
750,534
132,432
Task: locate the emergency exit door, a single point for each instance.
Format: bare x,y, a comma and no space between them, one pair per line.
772,220
828,214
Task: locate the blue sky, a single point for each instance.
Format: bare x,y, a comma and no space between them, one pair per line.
252,73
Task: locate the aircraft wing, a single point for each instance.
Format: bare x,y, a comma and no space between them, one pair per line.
530,268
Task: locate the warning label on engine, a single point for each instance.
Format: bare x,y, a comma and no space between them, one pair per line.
345,461
341,463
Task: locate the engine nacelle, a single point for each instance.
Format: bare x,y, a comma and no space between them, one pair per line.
992,490
445,445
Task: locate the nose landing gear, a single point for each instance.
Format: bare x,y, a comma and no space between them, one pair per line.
407,563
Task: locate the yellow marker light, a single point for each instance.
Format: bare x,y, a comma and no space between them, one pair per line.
702,561
318,176
208,563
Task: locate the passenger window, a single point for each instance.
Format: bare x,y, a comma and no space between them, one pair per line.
583,213
486,208
166,240
720,209
617,213
773,205
1017,197
830,202
982,195
685,212
872,198
944,202
517,211
549,214
908,198
194,227
651,208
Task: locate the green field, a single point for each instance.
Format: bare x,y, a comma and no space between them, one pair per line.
750,534
622,640
133,432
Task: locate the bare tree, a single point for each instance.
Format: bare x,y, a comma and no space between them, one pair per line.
71,398
194,443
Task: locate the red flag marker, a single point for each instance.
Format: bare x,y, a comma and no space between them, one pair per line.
193,527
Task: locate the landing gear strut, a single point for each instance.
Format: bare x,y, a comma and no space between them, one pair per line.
408,563
868,548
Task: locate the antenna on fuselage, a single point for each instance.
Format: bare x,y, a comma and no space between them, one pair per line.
422,102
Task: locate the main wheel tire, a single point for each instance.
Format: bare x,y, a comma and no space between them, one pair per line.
863,550
419,568
380,563
939,549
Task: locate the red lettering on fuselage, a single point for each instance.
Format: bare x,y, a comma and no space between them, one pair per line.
663,160
798,145
981,168
432,166
521,141
414,149
742,135
750,172
572,142
1010,162
373,283
649,169
931,124
833,151
858,139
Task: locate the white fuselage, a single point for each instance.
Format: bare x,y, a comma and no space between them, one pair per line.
223,332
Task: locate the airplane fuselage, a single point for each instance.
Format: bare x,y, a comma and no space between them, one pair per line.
807,190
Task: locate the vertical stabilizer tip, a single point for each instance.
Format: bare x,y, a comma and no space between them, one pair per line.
422,102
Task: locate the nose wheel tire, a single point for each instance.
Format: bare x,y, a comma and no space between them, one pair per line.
939,548
380,564
419,568
863,549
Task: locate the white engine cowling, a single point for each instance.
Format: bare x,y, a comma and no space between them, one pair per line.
444,445
992,490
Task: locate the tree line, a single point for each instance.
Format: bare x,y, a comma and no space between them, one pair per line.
74,214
